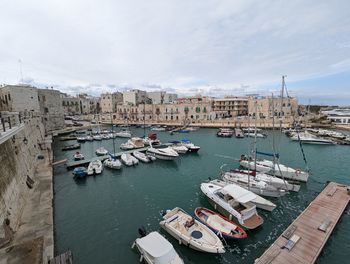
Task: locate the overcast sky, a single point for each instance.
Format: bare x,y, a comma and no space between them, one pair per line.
212,47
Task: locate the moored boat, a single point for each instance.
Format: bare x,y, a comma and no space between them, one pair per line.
234,202
191,232
71,147
191,147
128,160
79,172
78,156
112,163
162,152
141,156
95,167
101,151
155,249
221,225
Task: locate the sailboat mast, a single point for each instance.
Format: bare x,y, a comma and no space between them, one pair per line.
282,95
144,119
113,136
256,114
273,135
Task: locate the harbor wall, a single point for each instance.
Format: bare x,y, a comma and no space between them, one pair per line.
18,159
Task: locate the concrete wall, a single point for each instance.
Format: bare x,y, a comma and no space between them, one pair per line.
17,159
19,98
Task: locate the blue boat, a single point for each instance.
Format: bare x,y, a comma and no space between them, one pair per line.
80,172
183,131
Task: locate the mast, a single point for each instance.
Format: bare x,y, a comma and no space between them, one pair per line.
282,94
273,135
144,119
113,137
255,123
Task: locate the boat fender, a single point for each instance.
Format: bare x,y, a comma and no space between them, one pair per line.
215,206
230,217
179,241
141,258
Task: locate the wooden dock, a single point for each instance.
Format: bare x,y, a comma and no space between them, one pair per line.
65,258
303,241
78,163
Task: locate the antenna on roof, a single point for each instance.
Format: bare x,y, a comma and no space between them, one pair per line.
20,71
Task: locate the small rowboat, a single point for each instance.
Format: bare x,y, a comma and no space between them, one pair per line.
221,225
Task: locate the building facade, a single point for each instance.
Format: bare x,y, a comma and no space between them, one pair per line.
19,98
109,101
230,106
162,97
135,97
268,107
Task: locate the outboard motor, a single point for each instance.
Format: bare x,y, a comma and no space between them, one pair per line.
142,231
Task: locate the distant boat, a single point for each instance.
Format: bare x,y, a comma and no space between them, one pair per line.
191,147
71,147
141,156
178,147
191,232
225,132
307,138
81,139
221,225
129,160
162,152
123,133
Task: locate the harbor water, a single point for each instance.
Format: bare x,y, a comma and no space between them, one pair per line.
98,218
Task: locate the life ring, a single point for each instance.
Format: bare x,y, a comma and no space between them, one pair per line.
298,171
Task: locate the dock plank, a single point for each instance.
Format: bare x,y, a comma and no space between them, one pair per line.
312,240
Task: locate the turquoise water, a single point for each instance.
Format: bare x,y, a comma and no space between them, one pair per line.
98,218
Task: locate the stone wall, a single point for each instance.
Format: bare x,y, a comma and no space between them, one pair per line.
18,157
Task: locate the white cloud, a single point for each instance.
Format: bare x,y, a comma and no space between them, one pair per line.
191,46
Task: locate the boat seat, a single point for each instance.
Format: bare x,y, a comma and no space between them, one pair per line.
291,242
325,224
217,222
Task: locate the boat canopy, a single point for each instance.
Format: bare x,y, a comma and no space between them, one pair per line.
158,248
186,141
238,193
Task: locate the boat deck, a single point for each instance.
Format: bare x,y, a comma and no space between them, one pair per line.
311,230
78,163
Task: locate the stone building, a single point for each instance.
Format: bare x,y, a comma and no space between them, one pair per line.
71,105
135,97
109,101
19,98
267,107
230,106
51,109
162,97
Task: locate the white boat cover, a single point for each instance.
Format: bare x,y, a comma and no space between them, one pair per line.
158,248
238,193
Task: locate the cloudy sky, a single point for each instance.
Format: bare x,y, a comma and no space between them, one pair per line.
213,47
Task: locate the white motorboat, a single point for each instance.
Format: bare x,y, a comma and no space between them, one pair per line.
112,163
272,180
307,138
141,156
191,147
95,167
279,170
191,232
253,184
158,128
89,138
155,249
151,158
129,160
251,130
97,137
178,147
101,151
126,146
259,201
234,202
258,135
162,152
123,134
81,139
78,156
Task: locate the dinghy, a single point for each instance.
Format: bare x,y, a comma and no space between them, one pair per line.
101,151
79,172
141,156
222,226
112,163
95,167
155,249
78,156
191,232
71,147
129,160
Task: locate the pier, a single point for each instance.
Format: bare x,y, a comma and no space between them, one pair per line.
303,241
83,162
